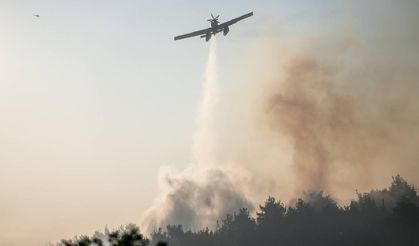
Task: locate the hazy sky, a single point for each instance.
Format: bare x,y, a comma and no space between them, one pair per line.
95,96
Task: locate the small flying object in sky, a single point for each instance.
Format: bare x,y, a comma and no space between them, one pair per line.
37,16
215,28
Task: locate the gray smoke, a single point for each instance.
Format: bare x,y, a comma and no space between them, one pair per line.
320,113
348,126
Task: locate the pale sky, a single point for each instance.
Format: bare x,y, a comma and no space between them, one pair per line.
95,96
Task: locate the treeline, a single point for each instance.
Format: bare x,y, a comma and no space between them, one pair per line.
380,217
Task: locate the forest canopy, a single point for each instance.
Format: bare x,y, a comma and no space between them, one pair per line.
380,217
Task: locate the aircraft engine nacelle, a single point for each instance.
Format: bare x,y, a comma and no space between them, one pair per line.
207,36
226,30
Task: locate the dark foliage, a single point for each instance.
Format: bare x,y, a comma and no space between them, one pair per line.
126,236
380,217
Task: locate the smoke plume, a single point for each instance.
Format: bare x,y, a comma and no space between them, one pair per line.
348,126
310,114
196,198
199,195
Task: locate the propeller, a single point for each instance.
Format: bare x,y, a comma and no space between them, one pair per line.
214,18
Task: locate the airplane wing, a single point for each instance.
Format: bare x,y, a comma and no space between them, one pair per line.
231,22
193,34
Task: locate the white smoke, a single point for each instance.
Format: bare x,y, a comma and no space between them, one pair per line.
204,142
202,193
332,115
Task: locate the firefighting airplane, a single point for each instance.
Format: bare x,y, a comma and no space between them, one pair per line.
215,28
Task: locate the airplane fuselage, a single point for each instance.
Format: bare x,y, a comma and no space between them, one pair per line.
215,28
214,24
